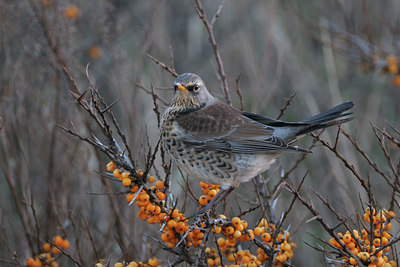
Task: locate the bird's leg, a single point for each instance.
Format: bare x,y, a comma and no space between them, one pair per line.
213,204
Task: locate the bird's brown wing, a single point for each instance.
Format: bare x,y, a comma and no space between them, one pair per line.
223,128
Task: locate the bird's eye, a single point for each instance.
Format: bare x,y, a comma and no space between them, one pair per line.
196,87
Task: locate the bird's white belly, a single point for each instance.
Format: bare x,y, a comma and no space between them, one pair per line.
250,165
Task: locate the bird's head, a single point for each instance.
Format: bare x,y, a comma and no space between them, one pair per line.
190,92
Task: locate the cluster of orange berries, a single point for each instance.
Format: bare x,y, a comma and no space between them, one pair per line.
151,263
391,67
175,225
237,231
279,241
46,258
368,246
151,210
209,191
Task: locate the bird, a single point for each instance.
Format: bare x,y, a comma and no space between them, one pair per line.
219,144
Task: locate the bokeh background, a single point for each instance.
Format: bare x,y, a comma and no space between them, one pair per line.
277,48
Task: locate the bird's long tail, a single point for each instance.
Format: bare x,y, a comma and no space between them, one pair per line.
327,118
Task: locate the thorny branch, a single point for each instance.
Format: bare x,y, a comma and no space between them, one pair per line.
209,26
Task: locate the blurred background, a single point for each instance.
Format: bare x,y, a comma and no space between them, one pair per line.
271,49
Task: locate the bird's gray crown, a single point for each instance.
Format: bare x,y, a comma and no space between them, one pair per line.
187,78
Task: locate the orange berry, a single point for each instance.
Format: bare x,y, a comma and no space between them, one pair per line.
392,64
140,172
237,234
240,254
125,175
110,167
376,242
229,230
126,182
354,250
353,261
118,264
65,244
203,185
46,247
151,179
144,197
160,195
37,263
171,224
116,173
364,256
159,184
72,12
222,216
29,262
266,237
54,250
170,234
245,259
258,231
250,235
240,227
221,241
386,235
236,221
57,240
263,223
203,200
129,197
175,213
390,214
95,52
351,245
135,188
346,238
217,229
153,262
211,194
157,210
180,227
150,207
388,226
231,258
377,232
162,216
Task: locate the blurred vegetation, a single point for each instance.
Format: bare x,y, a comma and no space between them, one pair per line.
276,48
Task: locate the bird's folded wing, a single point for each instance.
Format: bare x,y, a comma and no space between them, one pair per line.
222,128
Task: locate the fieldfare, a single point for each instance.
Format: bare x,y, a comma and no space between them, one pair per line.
219,144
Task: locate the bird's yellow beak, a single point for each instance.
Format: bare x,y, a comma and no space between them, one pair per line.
182,88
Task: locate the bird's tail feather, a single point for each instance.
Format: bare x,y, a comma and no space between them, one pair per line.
327,118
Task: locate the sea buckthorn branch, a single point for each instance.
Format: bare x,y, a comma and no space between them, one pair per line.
373,246
368,159
224,85
343,159
341,218
318,217
49,253
386,153
163,65
370,56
